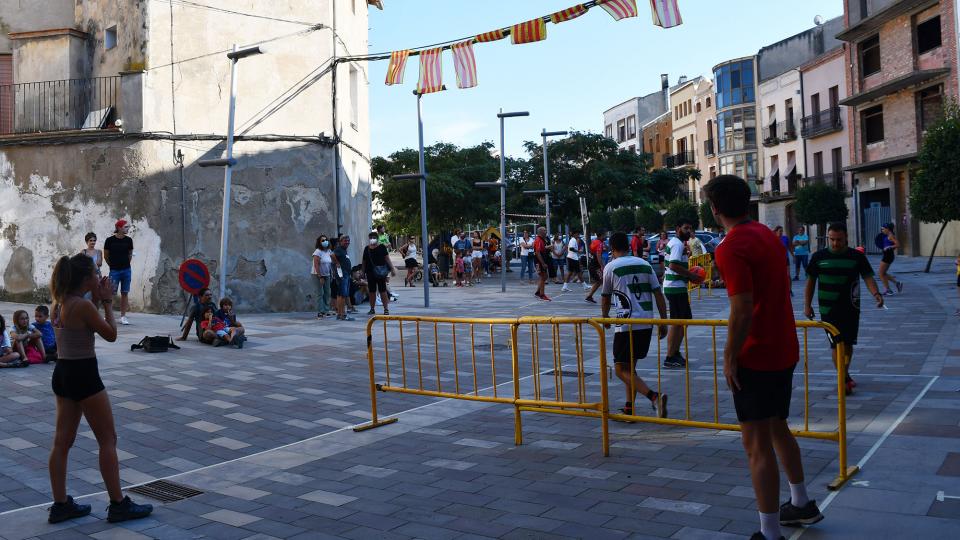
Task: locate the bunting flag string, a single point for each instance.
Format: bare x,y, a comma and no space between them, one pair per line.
494,35
666,13
465,63
528,32
568,14
619,9
431,71
398,62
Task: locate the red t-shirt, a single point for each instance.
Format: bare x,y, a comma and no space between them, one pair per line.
539,246
750,260
635,245
596,246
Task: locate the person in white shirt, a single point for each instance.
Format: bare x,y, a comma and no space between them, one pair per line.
526,259
558,254
409,252
575,271
631,284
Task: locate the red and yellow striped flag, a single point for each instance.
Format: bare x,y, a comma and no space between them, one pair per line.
528,32
619,9
494,35
666,13
398,61
568,14
465,63
431,71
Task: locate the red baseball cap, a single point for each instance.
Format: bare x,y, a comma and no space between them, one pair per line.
121,223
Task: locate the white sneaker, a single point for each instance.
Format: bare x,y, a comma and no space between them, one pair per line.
586,287
565,288
123,320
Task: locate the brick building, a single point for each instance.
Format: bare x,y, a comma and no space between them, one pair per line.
902,59
658,139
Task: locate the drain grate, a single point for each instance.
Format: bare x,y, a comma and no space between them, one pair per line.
564,373
165,491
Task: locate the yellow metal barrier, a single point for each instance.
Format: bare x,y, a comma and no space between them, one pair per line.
541,387
704,261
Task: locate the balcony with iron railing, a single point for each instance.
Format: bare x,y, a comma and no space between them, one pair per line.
65,105
680,159
834,179
821,123
708,147
788,131
770,135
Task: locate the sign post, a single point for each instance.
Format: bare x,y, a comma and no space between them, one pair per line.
193,276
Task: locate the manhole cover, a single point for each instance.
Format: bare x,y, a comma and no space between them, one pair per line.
165,491
565,373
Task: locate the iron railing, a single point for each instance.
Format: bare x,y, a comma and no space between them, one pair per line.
788,131
70,104
680,159
708,149
771,135
835,179
821,123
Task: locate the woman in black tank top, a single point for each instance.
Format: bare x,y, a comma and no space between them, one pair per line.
78,388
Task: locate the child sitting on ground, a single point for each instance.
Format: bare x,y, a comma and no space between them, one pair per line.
234,330
8,357
41,321
26,339
209,321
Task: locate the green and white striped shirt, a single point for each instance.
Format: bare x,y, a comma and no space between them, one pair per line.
630,282
673,283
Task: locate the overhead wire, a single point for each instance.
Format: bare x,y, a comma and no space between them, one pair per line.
214,53
187,3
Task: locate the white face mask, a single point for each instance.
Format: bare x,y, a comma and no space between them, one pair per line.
373,241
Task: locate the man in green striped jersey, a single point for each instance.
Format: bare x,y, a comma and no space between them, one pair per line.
630,283
675,278
838,270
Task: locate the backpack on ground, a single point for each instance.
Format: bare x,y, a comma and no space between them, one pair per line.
154,344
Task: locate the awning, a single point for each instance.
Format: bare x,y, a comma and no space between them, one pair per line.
773,172
791,169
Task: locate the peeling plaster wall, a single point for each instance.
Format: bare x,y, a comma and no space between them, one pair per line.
282,199
130,18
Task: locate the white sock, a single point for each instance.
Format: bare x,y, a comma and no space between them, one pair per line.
770,525
798,495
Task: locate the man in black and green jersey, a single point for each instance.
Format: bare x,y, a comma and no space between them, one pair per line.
838,270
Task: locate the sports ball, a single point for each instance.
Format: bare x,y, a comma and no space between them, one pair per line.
699,272
860,249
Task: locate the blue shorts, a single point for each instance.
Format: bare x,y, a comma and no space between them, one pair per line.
344,284
223,333
120,278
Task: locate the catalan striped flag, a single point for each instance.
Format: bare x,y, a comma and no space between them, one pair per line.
465,63
493,35
398,61
665,13
528,32
431,71
619,9
568,14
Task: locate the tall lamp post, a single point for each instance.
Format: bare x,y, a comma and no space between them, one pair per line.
227,163
502,184
546,175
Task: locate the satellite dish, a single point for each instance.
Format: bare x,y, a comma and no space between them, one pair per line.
818,20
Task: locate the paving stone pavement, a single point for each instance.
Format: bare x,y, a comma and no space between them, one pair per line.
264,432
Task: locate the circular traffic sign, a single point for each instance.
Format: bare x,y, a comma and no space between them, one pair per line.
194,276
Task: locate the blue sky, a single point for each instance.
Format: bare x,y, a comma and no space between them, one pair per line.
566,82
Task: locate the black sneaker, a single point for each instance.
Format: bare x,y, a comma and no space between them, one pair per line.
371,312
240,340
792,516
67,510
126,510
759,536
899,287
674,362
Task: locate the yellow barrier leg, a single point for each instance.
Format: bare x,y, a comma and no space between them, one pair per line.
845,472
515,366
375,421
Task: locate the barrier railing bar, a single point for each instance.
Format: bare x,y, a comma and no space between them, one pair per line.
806,383
633,367
419,354
493,363
403,357
840,355
578,335
456,367
604,398
436,352
557,361
386,352
535,361
374,419
716,387
659,352
686,370
473,355
515,368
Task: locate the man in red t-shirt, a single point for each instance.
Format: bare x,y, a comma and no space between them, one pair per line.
638,243
760,355
540,258
595,265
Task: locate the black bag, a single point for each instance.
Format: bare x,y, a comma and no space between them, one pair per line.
153,344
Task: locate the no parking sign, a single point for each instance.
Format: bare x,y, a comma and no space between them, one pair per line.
194,276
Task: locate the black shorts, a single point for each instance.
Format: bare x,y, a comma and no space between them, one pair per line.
621,345
763,394
595,272
375,284
574,266
849,328
958,280
888,256
410,263
679,306
76,380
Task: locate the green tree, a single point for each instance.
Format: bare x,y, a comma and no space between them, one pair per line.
935,191
819,203
599,219
623,219
707,219
678,209
649,218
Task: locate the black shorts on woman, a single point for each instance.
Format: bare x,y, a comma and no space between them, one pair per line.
76,380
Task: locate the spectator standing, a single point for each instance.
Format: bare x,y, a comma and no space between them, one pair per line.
91,250
322,270
383,237
344,279
541,257
525,244
409,253
675,278
836,273
79,390
558,254
638,244
118,251
801,251
595,265
377,267
760,356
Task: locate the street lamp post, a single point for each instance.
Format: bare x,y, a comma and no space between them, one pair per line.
546,175
227,163
502,184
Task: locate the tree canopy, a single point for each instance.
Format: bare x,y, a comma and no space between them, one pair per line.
935,191
820,203
681,209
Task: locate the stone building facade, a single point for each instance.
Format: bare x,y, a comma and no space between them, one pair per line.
106,108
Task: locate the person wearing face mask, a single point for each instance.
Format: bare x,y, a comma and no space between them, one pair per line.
377,266
322,271
675,278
